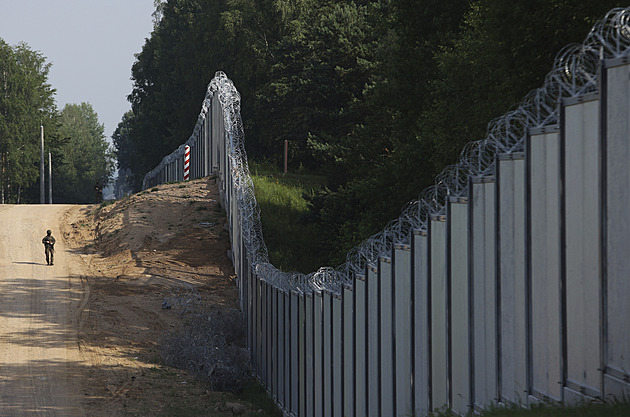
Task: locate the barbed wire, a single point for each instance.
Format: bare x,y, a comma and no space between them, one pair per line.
575,72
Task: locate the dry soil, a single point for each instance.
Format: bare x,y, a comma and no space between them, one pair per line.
82,337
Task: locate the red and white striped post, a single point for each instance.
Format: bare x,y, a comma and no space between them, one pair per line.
186,163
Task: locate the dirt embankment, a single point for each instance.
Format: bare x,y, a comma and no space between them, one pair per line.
138,252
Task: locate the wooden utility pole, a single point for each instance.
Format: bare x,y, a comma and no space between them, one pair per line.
286,155
42,188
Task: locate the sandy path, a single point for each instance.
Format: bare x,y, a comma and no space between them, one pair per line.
40,364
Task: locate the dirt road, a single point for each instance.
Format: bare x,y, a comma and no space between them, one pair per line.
82,337
40,363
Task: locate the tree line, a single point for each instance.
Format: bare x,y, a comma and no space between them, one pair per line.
73,136
377,95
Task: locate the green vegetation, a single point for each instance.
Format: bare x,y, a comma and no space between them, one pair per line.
289,238
73,137
378,96
615,409
83,155
26,102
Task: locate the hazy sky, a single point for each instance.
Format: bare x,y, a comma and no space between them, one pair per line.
90,43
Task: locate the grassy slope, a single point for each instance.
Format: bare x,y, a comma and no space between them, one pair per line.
290,241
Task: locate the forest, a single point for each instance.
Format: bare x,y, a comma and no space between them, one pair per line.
377,96
73,137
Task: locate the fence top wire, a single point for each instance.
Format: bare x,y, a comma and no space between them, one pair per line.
575,72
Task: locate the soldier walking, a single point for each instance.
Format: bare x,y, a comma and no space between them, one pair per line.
49,247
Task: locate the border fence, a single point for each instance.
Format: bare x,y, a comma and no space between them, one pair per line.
505,282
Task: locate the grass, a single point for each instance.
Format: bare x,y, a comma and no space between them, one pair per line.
254,393
282,207
175,393
613,409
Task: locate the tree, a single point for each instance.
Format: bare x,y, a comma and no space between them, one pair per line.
504,50
86,155
126,154
26,101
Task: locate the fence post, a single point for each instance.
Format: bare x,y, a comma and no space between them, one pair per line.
511,273
361,358
438,312
459,308
545,265
403,323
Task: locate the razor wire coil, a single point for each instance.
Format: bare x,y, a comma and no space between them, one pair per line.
575,72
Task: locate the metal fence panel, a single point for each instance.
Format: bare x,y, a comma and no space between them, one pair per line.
459,305
294,362
512,279
250,314
582,246
280,345
421,305
361,345
327,342
263,333
373,370
247,305
337,365
318,353
288,382
386,339
268,307
259,324
483,268
309,327
273,345
269,320
546,304
297,353
617,230
403,306
439,337
301,403
350,352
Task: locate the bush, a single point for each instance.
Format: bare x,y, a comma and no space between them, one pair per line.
211,346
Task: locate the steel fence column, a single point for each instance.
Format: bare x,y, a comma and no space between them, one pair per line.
615,87
327,360
273,345
302,365
438,296
483,264
294,365
318,354
403,306
264,329
459,317
310,355
338,362
349,351
280,347
421,323
361,343
386,330
511,276
582,245
269,346
373,370
543,156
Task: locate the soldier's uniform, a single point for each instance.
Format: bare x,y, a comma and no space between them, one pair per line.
49,247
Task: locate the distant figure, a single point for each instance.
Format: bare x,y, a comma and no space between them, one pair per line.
49,247
98,192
